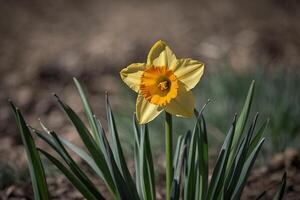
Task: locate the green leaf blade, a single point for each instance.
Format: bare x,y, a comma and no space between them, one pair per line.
280,191
88,111
34,161
71,177
117,149
241,123
91,145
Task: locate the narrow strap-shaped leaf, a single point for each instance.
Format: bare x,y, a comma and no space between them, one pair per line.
136,130
71,177
117,149
79,151
258,137
124,189
102,136
218,175
191,167
83,155
175,192
137,135
137,170
280,191
149,160
90,144
261,195
239,161
177,151
241,122
187,142
234,172
36,169
145,174
197,185
88,111
203,158
193,156
53,140
215,177
246,171
201,170
75,168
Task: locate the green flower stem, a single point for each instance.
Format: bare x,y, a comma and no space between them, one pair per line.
169,162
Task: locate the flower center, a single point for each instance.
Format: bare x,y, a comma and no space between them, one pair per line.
164,85
159,85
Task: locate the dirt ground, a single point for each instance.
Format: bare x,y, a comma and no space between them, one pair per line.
44,44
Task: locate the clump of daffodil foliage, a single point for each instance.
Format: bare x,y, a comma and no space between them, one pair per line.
163,83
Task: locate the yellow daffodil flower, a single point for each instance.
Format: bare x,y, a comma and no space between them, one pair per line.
163,83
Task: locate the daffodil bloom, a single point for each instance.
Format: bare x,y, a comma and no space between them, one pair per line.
163,83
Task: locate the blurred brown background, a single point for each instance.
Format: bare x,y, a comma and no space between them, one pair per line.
43,44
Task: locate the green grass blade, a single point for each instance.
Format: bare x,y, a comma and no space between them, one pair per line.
280,191
36,169
71,177
87,110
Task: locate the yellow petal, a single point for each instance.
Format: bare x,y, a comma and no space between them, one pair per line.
183,105
188,71
145,111
132,74
161,55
